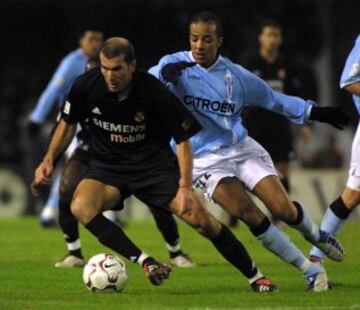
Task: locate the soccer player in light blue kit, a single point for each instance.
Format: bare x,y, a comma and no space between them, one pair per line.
72,66
226,161
340,209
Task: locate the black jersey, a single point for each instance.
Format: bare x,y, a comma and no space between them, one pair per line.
133,132
271,130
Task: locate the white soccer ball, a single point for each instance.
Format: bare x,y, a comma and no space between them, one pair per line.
105,273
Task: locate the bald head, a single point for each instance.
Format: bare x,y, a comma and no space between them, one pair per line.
116,46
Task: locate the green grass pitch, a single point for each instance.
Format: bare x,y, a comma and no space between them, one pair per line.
28,279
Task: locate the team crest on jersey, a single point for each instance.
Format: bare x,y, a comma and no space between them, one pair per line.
139,117
355,69
282,74
229,82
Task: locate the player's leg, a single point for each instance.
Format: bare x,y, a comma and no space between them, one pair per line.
275,198
340,209
90,199
71,176
225,242
283,168
167,225
230,194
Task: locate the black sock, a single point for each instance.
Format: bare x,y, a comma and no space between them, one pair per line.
166,223
300,214
113,237
261,228
69,226
286,183
339,209
234,252
174,254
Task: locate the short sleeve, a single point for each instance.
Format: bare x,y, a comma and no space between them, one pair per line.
351,71
177,120
73,110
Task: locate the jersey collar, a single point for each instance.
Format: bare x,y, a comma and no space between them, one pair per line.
206,69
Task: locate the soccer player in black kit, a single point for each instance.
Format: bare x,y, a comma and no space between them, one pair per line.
271,130
132,118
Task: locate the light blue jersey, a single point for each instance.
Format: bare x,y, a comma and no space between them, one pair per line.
217,95
69,69
351,72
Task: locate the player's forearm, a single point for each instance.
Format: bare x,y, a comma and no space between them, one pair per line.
185,159
61,138
354,88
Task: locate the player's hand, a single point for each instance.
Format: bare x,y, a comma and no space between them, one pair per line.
186,200
172,71
33,129
42,177
335,116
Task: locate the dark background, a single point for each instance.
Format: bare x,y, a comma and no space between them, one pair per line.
36,35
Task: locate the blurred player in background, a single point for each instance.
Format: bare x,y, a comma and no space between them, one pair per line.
72,65
340,209
227,162
132,118
274,131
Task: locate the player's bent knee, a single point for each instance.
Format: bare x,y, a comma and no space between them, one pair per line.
82,210
206,224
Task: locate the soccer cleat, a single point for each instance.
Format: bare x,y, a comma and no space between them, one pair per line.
156,272
264,285
70,261
320,262
182,260
318,282
330,246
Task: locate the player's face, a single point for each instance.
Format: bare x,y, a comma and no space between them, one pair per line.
91,43
204,42
270,38
117,73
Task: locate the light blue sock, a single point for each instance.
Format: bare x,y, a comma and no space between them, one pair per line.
52,204
278,243
307,226
330,224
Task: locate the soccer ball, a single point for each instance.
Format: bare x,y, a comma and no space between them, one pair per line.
105,273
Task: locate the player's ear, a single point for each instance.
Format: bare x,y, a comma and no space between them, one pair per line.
220,41
133,65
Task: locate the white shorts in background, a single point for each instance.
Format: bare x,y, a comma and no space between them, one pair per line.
353,181
247,160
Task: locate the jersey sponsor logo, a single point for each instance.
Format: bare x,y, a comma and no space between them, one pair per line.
96,110
67,107
108,126
127,139
139,117
355,69
208,105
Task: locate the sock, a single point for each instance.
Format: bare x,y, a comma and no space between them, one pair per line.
51,206
332,222
285,182
305,224
234,252
113,237
69,226
279,244
166,224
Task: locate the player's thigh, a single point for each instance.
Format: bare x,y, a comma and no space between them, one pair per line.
71,177
231,195
91,197
283,168
198,217
272,193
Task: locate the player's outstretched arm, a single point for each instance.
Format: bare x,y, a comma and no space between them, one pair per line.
62,137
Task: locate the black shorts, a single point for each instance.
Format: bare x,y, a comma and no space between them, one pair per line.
154,186
81,155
